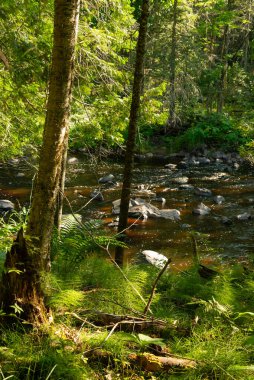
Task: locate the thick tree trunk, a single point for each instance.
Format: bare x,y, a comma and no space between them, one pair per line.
133,121
31,255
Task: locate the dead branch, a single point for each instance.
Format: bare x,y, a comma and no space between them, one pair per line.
154,286
152,363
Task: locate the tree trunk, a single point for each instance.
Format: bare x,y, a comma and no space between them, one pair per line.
171,122
31,254
133,121
224,63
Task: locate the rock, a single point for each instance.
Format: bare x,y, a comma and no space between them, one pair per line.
244,216
204,160
185,226
186,186
183,165
227,221
19,175
219,199
171,166
202,192
171,214
73,160
194,161
155,258
180,180
201,209
97,195
159,199
143,193
139,208
110,178
6,205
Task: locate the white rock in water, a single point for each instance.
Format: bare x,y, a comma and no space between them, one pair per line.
171,214
155,258
201,209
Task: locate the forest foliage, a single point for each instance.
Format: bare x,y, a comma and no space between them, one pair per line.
213,82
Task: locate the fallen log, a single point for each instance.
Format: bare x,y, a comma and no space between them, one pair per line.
153,363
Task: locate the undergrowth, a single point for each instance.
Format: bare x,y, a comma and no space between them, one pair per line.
210,321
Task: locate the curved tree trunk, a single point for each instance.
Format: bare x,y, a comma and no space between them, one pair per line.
30,255
133,121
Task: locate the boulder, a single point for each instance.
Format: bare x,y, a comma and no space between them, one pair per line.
204,160
244,216
219,199
202,192
159,199
6,205
201,209
227,221
186,186
171,214
110,178
155,258
171,166
180,180
97,195
139,208
143,193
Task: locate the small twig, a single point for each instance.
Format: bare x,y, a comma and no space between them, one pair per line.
154,286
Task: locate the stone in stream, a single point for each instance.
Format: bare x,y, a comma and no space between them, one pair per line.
186,186
244,216
110,178
180,180
201,191
171,166
159,199
226,221
6,205
139,208
97,195
171,214
201,209
219,199
155,258
204,160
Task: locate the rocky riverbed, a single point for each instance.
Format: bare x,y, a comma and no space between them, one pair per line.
173,197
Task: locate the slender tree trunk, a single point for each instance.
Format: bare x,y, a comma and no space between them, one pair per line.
133,121
171,122
224,63
29,256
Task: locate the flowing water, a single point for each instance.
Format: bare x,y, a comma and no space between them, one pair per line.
216,241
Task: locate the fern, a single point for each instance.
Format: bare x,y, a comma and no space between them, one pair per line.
77,240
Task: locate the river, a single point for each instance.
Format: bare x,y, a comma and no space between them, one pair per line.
218,242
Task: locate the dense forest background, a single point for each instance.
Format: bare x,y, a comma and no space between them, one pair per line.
198,85
69,306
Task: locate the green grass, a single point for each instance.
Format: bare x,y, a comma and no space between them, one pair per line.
209,321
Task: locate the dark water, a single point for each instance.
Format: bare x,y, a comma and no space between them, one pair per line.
217,243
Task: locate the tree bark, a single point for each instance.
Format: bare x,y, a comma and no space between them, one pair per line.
133,121
31,254
224,63
171,122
